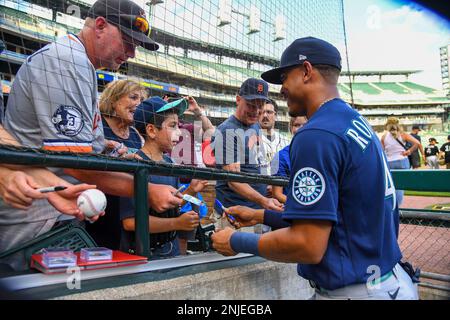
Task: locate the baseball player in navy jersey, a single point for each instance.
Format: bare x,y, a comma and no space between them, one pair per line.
340,222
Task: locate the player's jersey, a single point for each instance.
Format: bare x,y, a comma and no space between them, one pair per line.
344,179
431,150
446,149
53,100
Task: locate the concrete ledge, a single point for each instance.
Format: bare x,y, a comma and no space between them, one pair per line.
267,280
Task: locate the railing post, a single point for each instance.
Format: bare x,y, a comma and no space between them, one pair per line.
142,219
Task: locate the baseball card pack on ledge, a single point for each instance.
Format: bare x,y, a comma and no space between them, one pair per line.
96,254
57,260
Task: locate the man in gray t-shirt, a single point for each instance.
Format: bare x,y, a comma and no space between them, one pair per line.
53,105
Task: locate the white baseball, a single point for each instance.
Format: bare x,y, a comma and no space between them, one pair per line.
91,202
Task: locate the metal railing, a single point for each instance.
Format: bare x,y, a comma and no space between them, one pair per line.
426,230
139,168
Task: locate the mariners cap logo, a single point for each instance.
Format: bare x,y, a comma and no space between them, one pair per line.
308,186
260,88
302,57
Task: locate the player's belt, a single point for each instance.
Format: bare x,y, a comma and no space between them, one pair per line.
383,278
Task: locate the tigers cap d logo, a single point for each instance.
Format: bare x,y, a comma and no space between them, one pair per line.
260,88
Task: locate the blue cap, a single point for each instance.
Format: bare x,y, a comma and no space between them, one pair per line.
253,89
146,111
314,50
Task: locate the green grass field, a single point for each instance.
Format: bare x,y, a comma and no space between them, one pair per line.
442,207
427,194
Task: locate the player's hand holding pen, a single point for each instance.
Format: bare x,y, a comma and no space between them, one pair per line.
244,216
241,216
222,211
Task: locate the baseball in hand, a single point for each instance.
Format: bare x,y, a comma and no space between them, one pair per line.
91,202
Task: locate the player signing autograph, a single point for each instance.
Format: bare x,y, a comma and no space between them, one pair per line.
340,222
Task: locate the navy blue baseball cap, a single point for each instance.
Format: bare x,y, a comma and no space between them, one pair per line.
311,49
253,88
145,112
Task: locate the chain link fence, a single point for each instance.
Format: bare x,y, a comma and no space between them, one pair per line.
424,239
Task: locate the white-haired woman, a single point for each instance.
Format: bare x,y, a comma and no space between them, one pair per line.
118,103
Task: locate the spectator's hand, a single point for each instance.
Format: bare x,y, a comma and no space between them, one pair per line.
188,221
245,216
193,106
221,241
66,201
269,191
132,156
17,189
162,198
272,204
115,149
406,153
197,185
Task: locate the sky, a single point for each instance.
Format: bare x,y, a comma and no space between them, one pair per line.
393,35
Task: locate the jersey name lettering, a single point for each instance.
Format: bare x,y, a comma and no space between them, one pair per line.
360,132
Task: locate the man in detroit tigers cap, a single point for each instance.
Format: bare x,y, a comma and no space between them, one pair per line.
253,89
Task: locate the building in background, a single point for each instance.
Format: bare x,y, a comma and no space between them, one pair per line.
210,62
445,61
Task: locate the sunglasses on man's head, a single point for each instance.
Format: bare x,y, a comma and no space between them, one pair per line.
138,23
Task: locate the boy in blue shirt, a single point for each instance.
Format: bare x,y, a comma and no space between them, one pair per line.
340,222
281,165
157,121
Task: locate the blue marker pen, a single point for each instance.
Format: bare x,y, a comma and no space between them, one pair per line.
220,205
